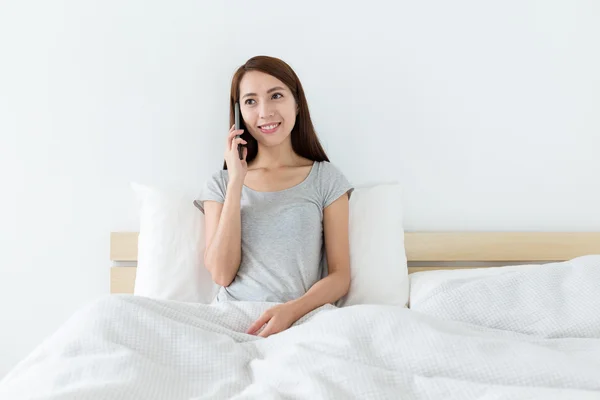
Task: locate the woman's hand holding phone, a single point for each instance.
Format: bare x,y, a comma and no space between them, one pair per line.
237,168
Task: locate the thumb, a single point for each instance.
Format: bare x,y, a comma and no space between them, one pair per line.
258,324
268,330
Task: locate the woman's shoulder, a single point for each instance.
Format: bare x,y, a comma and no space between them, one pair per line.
218,178
220,174
332,182
328,169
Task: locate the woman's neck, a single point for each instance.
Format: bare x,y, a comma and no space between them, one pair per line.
274,157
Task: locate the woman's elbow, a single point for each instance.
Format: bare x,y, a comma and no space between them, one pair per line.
220,277
344,280
222,280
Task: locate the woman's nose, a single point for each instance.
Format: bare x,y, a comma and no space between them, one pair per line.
266,111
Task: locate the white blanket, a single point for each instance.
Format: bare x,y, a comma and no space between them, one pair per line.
126,347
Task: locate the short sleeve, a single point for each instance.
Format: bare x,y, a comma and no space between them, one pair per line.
333,184
214,189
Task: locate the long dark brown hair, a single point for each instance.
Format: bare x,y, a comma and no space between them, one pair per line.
305,142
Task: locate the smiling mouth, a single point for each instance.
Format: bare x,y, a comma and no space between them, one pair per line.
269,128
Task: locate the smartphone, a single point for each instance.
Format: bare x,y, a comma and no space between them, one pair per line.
238,125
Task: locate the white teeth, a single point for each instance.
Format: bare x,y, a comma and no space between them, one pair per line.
267,127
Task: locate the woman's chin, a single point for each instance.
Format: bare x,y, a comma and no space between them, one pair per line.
272,140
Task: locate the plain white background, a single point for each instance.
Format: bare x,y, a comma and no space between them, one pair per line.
486,113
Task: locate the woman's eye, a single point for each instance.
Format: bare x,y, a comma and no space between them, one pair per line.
249,101
277,96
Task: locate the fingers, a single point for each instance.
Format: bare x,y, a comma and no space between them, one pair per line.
236,141
232,133
258,323
269,330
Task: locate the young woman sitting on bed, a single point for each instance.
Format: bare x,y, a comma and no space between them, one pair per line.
278,218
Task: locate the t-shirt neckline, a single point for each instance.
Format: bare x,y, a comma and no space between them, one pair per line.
310,173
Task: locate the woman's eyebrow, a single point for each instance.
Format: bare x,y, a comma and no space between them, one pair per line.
268,91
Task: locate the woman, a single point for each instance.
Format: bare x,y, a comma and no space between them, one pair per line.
277,215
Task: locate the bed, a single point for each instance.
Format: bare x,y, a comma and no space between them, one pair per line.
491,315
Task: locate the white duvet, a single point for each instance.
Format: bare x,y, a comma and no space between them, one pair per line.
126,347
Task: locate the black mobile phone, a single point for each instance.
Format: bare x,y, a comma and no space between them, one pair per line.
238,125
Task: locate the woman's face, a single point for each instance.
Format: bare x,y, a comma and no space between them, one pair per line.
268,108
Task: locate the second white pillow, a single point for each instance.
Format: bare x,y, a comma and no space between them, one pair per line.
378,265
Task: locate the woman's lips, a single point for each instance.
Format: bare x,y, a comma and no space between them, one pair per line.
269,128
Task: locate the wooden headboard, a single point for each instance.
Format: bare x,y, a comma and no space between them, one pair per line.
425,251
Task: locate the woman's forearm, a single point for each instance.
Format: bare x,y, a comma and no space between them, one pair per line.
328,290
223,256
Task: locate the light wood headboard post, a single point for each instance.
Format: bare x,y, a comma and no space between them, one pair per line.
123,247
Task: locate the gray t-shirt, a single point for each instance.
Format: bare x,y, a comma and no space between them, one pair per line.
283,252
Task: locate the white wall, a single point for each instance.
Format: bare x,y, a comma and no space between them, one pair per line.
487,114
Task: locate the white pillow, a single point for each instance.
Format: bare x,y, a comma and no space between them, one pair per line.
171,247
424,283
378,266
